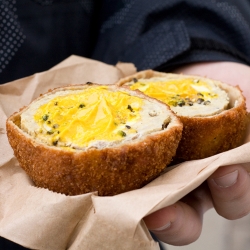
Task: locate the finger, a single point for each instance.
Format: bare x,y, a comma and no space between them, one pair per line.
181,223
230,190
178,224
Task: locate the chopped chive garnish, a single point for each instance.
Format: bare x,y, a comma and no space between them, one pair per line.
130,108
122,133
200,100
45,117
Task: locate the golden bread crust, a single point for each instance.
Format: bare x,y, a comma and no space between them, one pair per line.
206,136
109,171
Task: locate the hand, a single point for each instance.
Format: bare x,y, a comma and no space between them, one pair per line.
227,190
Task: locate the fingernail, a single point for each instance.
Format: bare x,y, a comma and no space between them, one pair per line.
227,180
162,228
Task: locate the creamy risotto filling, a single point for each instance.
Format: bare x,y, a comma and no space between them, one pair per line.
92,117
187,96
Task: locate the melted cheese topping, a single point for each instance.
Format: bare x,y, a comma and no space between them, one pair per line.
91,117
92,114
187,96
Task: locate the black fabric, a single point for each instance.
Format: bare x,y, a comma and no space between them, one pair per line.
9,245
162,247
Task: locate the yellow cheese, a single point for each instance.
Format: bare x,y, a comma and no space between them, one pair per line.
176,92
186,96
91,114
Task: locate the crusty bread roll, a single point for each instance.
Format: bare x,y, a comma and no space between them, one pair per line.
83,138
213,113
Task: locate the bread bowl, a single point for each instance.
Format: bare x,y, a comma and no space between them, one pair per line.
84,138
213,113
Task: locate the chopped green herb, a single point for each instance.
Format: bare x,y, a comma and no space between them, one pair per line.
206,102
130,108
172,103
200,100
122,133
55,126
81,105
181,103
45,117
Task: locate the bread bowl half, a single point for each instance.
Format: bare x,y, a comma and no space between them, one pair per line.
83,138
213,113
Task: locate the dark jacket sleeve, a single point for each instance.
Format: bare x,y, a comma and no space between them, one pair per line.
163,34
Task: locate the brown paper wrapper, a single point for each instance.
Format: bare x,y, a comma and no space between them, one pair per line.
40,219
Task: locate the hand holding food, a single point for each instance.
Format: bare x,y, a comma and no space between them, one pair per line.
227,189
